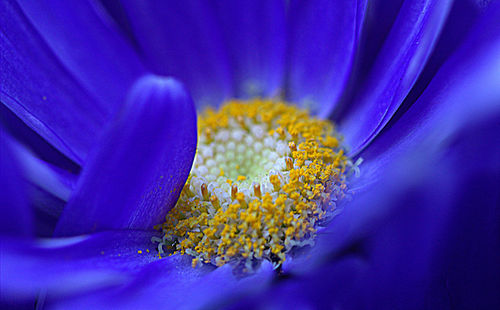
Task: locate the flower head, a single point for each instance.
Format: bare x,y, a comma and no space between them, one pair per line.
100,132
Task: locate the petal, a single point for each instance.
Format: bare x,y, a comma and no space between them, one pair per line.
467,270
464,90
139,168
16,216
88,44
175,284
378,20
323,40
397,68
180,38
71,265
461,19
48,188
33,142
46,176
35,84
47,209
254,34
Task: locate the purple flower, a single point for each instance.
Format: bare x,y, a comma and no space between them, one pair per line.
98,135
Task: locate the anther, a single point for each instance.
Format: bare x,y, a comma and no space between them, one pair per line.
204,191
215,201
289,163
234,191
256,190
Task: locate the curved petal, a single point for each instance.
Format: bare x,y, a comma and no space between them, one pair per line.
465,89
254,34
397,68
48,189
461,19
89,45
175,284
47,209
71,265
48,177
136,174
35,84
16,216
323,41
42,149
378,20
180,39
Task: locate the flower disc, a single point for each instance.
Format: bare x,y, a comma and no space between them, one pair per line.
265,176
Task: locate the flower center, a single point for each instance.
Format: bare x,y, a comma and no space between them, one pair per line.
266,175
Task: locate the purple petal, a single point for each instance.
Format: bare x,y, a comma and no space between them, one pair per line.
464,90
180,39
37,85
47,209
22,134
16,216
254,34
87,42
323,40
173,283
137,172
397,68
462,17
72,265
48,177
48,188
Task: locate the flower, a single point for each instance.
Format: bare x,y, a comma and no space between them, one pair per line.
413,85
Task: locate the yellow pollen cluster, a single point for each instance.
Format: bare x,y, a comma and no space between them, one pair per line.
265,175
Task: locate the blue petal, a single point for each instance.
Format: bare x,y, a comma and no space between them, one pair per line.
16,216
173,283
397,68
22,134
48,188
180,38
254,34
462,17
46,176
137,172
38,85
465,89
323,41
89,45
71,265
